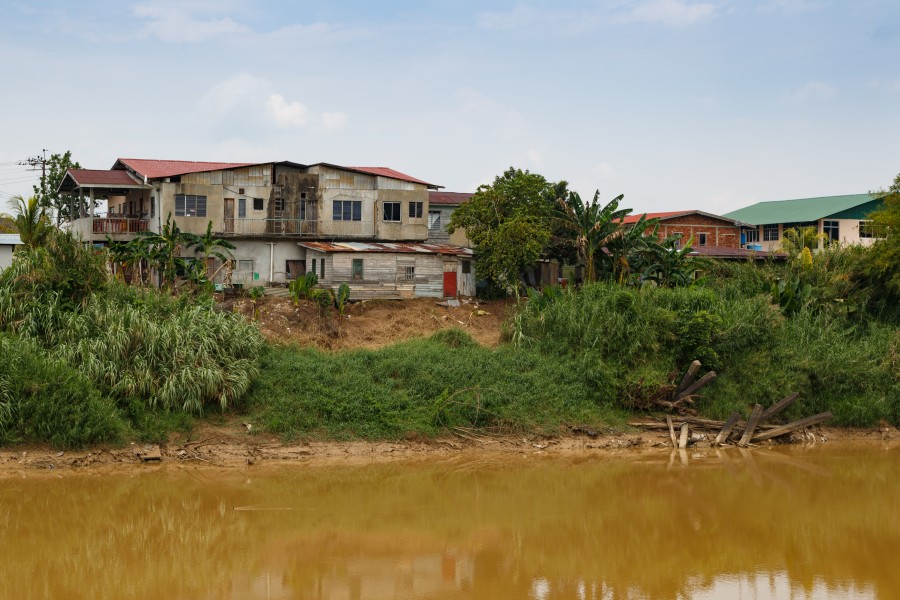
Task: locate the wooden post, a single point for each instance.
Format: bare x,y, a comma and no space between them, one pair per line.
700,383
752,422
683,440
807,422
688,377
727,428
778,407
671,431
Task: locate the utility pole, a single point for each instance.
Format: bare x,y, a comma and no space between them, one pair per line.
34,161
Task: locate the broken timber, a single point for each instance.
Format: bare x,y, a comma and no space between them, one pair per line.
688,377
671,430
752,422
807,422
727,428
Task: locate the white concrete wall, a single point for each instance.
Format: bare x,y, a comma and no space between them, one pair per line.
848,232
6,256
260,252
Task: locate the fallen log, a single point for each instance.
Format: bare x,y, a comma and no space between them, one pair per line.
778,407
801,424
696,386
752,422
727,428
688,378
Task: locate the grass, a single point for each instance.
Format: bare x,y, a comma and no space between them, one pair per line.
423,387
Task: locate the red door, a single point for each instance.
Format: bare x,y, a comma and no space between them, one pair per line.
450,284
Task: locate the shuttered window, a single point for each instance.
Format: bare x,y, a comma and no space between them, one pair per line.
190,206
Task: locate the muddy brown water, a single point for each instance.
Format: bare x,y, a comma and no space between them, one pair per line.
816,522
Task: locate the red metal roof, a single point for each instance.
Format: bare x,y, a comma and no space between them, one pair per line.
634,218
387,248
388,172
736,253
88,177
448,198
155,169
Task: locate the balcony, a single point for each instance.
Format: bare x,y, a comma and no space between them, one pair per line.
297,228
119,228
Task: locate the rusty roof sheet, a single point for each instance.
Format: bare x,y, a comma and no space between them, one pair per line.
734,253
387,248
156,169
448,198
388,172
662,216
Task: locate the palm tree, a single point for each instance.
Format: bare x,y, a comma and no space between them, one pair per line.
29,220
624,249
164,249
594,226
797,238
209,245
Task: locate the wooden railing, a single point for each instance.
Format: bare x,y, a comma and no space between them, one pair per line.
119,225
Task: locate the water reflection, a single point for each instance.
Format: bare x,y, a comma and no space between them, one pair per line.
801,523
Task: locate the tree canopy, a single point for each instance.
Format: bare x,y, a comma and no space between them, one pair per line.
46,190
884,261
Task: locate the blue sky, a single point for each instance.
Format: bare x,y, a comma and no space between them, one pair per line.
708,104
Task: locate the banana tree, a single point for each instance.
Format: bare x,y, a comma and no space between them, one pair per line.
164,249
594,226
624,251
210,246
670,262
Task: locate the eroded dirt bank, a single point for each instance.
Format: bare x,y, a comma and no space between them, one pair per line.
232,447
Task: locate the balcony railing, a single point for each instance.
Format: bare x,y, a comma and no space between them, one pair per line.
119,225
296,227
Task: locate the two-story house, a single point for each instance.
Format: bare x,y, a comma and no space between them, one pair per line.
364,226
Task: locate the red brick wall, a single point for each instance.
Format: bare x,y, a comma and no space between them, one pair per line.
718,233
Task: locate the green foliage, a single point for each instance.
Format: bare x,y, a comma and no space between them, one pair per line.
47,194
883,263
797,239
301,287
43,399
791,294
341,298
593,226
511,224
30,220
669,262
423,387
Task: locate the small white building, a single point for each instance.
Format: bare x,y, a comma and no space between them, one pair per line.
8,243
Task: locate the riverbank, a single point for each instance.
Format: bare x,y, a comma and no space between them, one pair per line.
232,446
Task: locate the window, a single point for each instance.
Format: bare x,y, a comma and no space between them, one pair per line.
347,210
466,267
751,235
242,208
770,233
701,239
868,229
434,219
303,210
258,204
409,273
245,265
415,210
190,206
356,269
392,211
322,269
303,195
831,230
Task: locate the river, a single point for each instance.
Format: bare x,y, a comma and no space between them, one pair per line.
816,522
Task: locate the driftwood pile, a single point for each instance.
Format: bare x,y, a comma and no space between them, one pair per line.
744,433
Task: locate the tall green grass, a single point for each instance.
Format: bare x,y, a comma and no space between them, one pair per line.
837,359
424,387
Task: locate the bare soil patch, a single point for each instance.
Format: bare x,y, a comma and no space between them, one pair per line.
371,324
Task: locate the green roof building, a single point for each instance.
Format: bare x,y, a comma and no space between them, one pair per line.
841,218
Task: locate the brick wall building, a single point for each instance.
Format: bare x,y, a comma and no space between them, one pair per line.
707,230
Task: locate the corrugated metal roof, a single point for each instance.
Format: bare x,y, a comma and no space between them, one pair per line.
448,198
798,211
388,172
738,253
99,177
662,216
155,169
387,247
10,239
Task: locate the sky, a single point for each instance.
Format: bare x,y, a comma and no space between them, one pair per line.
677,104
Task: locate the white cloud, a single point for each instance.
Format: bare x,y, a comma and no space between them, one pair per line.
246,103
334,120
673,12
812,91
172,23
287,114
536,157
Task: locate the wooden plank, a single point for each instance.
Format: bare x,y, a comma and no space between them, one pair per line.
699,384
727,428
683,440
688,378
778,407
752,422
802,423
671,430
